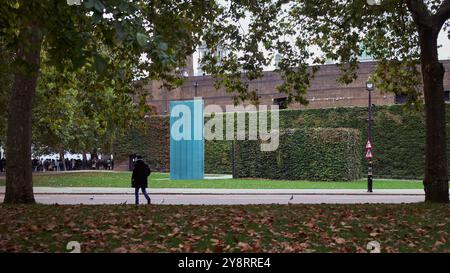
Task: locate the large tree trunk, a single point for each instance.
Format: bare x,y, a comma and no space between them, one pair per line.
436,168
19,184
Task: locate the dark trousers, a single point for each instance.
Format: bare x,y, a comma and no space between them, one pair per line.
136,194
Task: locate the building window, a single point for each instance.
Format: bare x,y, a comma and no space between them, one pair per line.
447,95
281,102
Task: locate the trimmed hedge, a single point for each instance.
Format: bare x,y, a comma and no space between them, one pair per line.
319,154
398,139
218,156
398,135
151,143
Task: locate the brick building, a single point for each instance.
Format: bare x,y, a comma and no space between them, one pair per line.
324,91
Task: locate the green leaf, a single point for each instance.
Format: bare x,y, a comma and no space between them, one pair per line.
89,4
162,46
98,5
99,63
123,7
142,39
96,18
120,34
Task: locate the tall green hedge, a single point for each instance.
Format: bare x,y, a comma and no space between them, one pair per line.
218,156
316,154
398,135
398,139
152,143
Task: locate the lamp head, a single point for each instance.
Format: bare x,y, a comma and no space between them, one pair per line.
369,86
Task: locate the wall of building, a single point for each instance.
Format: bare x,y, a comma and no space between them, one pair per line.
324,91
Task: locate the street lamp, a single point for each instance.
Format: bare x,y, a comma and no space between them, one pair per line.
186,76
369,88
196,87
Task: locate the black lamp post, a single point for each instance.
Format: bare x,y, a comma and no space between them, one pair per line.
196,87
185,75
369,87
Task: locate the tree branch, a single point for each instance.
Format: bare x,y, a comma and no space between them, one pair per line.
442,15
420,12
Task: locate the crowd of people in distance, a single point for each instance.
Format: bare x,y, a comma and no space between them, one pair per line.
42,164
49,165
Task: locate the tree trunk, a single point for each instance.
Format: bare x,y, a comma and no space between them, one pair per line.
19,184
94,159
436,168
62,159
84,167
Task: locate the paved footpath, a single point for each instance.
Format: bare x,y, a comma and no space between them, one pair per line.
92,195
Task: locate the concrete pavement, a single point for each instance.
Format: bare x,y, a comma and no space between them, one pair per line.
93,195
192,191
179,199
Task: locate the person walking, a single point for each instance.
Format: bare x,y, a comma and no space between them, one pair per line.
139,179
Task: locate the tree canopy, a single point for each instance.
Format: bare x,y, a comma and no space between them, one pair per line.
93,56
312,32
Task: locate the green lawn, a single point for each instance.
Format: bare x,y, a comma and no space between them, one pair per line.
251,228
161,180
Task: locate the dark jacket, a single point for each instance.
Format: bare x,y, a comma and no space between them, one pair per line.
140,174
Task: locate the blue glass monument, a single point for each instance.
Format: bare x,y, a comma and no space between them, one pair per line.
186,140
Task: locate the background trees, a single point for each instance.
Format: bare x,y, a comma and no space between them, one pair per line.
81,111
116,40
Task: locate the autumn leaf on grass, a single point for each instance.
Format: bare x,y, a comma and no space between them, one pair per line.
186,247
252,232
120,250
286,247
178,215
218,248
215,241
421,231
437,245
244,247
33,228
301,234
311,223
175,232
50,227
340,240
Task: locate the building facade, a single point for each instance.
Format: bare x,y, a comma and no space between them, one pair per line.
324,91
